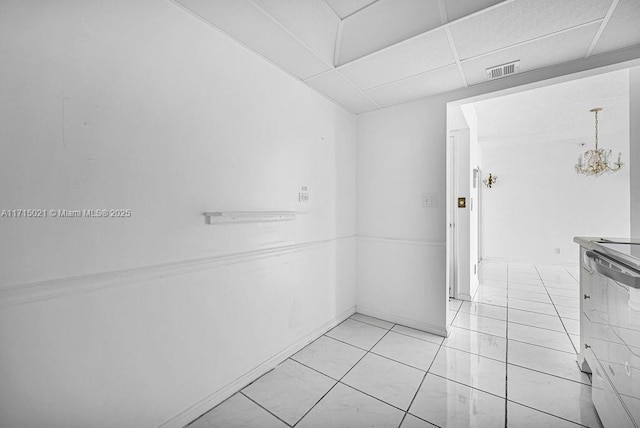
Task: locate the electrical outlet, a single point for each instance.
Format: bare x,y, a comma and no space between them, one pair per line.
556,250
303,197
430,200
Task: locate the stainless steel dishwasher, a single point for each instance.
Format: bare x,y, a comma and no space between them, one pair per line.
612,343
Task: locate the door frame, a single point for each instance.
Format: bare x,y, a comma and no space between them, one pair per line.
452,217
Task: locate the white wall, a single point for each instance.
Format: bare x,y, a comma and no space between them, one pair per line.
634,157
540,203
463,215
400,240
402,153
155,318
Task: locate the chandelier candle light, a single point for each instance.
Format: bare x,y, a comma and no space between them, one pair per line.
489,182
596,161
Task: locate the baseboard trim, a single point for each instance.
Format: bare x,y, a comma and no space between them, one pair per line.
217,397
43,290
407,322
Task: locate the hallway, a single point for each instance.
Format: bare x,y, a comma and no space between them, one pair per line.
509,359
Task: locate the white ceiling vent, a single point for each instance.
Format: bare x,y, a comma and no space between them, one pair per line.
503,70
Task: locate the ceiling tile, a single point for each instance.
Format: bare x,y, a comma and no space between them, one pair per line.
458,8
520,21
336,87
562,47
530,117
312,21
242,21
419,54
347,7
385,23
623,29
423,85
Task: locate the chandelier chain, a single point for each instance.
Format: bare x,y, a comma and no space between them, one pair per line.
596,130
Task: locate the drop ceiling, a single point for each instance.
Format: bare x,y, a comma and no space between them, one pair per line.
559,114
370,54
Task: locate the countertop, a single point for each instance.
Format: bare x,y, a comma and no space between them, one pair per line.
625,250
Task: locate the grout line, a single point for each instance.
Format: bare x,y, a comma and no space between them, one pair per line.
314,369
533,312
372,396
550,374
531,325
339,380
483,316
214,407
400,362
337,340
558,313
547,413
264,408
346,343
476,354
475,388
422,381
408,335
403,418
480,332
546,347
457,310
368,323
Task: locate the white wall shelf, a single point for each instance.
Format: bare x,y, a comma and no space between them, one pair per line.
221,217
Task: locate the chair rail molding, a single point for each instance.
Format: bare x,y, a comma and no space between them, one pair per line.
60,287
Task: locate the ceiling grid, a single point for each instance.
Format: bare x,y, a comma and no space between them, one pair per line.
287,30
456,56
603,24
370,54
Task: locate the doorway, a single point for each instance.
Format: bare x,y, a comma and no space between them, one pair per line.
530,138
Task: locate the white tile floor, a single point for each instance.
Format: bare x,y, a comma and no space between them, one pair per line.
509,361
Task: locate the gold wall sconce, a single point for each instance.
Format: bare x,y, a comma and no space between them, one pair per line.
489,182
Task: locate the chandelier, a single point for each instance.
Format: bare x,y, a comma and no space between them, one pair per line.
596,161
